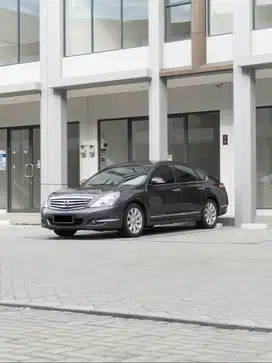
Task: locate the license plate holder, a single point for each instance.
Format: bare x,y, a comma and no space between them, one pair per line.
63,219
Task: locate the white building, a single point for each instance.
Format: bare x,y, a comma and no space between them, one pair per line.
146,79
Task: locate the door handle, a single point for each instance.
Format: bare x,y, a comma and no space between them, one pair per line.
32,170
28,176
201,188
26,167
176,190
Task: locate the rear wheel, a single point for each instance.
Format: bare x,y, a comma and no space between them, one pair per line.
65,233
134,221
209,215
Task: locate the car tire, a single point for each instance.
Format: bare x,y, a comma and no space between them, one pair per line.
209,215
134,221
65,233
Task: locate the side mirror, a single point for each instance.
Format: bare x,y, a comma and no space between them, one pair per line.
82,182
157,181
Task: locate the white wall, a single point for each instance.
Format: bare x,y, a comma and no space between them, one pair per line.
106,62
20,73
261,41
219,48
177,54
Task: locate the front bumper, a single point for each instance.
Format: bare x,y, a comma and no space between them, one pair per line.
98,219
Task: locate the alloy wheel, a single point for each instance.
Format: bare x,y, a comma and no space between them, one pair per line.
134,220
210,213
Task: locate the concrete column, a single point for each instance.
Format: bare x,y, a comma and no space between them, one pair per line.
158,130
53,104
244,107
198,33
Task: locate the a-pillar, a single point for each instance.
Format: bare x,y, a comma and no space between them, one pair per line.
53,113
244,105
158,130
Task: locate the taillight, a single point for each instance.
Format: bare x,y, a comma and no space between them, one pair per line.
222,186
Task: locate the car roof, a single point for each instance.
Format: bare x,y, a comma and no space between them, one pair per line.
150,163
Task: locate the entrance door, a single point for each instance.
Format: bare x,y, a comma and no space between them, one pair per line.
24,169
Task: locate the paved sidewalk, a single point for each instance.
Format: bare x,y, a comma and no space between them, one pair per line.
38,336
219,276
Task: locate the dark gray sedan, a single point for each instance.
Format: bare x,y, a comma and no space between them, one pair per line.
130,197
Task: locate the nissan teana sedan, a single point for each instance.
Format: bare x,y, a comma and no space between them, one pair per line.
130,197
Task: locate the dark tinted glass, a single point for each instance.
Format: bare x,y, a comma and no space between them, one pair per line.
165,174
127,175
185,174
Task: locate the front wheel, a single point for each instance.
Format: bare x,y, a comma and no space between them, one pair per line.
133,225
209,215
65,233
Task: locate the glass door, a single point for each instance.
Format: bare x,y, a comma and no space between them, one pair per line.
24,183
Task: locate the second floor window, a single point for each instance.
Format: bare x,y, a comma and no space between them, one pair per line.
220,17
103,25
178,15
262,14
20,31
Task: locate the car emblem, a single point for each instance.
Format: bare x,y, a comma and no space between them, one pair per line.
66,203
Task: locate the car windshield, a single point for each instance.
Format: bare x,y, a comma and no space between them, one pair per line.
125,175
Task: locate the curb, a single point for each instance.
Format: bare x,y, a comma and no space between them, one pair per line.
152,317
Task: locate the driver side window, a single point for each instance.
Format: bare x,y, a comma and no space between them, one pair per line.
163,174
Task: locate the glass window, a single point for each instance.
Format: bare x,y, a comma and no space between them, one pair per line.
164,174
178,20
176,138
73,154
29,30
140,140
263,14
126,175
78,27
113,142
203,141
135,23
220,16
184,174
264,157
107,25
9,32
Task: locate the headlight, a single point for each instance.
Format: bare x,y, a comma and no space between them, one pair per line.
46,203
106,201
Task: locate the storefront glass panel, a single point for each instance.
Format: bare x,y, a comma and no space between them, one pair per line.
264,157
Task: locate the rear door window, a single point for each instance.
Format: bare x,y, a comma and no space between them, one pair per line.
184,174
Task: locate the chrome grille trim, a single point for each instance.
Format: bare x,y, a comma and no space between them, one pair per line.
74,203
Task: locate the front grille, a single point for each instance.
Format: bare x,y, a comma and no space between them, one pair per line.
69,203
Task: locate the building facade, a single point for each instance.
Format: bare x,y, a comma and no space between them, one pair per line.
87,83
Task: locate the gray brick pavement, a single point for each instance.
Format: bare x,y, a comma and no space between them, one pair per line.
41,336
214,276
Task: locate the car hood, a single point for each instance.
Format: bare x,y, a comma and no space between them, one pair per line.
92,191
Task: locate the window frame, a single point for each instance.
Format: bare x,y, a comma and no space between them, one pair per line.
208,21
92,31
18,40
168,5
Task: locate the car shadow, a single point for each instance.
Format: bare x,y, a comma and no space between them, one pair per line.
114,235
